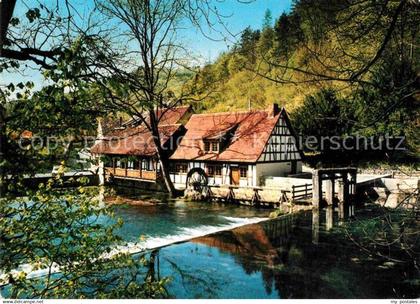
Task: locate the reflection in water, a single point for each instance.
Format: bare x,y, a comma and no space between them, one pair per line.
329,215
257,242
294,256
276,259
315,226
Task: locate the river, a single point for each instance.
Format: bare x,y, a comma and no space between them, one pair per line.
225,251
248,256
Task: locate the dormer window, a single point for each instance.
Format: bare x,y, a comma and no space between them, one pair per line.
207,146
218,141
211,146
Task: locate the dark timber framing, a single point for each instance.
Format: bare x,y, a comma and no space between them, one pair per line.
347,178
283,144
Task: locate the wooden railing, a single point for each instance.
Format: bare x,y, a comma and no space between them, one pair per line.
140,174
119,172
301,191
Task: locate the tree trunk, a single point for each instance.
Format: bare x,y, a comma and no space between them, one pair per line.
3,142
161,154
151,272
164,168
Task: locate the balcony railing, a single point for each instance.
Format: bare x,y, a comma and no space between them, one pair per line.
131,173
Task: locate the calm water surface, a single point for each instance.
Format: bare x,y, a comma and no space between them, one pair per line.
211,250
280,258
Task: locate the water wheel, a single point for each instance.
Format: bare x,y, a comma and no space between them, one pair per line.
197,180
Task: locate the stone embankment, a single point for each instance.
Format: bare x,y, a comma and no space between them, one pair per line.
397,192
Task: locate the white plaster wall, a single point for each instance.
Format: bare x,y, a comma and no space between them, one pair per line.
299,167
286,183
254,175
180,179
274,169
251,179
101,172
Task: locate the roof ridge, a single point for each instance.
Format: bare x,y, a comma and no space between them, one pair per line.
230,113
169,125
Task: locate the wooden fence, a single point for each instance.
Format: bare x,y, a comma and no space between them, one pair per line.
301,192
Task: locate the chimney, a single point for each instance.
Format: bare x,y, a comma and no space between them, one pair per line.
274,110
100,130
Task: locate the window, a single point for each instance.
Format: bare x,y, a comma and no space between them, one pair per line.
211,146
207,146
243,172
181,168
130,164
145,165
210,170
121,163
214,170
108,162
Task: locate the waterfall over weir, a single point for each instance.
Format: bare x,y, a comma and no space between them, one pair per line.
146,242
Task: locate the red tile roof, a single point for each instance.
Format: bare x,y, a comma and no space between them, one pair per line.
137,139
251,131
134,141
26,134
173,115
164,116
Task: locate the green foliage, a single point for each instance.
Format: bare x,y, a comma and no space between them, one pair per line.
268,19
317,60
246,46
322,114
32,15
70,237
59,116
391,235
388,106
288,34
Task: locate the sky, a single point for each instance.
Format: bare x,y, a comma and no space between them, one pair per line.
238,14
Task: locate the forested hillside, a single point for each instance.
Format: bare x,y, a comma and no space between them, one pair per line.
342,67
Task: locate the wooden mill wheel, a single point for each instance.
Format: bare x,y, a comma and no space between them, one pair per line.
197,180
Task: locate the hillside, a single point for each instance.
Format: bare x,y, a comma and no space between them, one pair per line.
340,67
307,49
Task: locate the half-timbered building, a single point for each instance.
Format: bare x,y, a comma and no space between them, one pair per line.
127,151
241,148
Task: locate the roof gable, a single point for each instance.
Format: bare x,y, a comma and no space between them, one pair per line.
134,141
251,131
165,116
282,144
134,138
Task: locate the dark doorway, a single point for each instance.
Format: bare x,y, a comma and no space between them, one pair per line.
294,167
235,176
